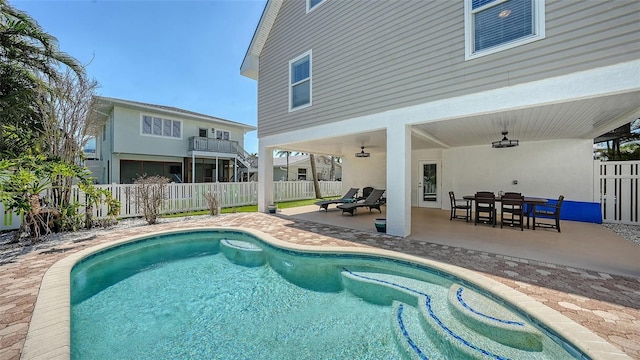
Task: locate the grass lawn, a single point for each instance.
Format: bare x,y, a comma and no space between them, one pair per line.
251,208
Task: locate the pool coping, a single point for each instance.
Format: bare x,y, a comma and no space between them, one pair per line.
48,336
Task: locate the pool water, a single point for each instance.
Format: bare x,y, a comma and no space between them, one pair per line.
186,296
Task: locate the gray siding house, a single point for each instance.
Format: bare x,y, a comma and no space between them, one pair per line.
139,138
426,87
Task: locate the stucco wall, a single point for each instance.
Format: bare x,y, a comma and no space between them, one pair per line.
543,169
363,172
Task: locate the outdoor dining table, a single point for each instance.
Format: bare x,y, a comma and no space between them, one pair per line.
530,201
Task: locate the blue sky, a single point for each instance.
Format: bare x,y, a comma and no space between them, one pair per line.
185,54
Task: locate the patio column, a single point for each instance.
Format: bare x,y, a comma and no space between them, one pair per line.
399,180
265,176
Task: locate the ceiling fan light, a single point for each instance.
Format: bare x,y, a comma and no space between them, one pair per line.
504,143
362,154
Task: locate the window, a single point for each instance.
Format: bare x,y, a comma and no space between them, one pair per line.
156,126
202,132
222,135
302,174
312,4
496,25
300,82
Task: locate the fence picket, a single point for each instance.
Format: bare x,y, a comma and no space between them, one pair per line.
616,187
190,197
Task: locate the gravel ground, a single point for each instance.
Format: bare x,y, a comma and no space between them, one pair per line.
629,232
10,250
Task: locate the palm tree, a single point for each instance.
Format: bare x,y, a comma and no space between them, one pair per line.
24,42
332,172
29,69
314,174
316,184
282,153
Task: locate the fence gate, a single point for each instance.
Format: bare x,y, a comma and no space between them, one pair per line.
616,185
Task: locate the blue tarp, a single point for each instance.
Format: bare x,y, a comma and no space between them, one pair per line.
579,211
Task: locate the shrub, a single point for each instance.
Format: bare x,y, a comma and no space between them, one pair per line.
212,201
150,193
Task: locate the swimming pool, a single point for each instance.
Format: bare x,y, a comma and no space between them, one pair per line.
229,294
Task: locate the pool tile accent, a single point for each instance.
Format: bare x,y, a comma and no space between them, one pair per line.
426,299
513,333
406,336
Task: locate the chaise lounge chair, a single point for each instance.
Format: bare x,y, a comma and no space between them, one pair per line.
373,201
350,196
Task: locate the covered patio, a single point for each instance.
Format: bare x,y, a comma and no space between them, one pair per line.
581,245
421,152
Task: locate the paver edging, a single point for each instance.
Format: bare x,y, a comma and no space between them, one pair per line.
54,294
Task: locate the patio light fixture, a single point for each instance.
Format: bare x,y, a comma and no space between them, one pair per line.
504,143
362,154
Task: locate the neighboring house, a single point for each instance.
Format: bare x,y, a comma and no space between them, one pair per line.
427,86
300,168
139,138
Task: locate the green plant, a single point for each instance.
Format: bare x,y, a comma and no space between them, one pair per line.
95,197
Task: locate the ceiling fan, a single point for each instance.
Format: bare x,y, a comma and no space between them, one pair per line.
362,153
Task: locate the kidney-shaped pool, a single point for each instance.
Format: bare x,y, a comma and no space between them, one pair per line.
227,294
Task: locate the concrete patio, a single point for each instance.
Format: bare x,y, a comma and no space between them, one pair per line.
582,245
587,273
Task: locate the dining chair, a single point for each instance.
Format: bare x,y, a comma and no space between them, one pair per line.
485,208
459,204
512,210
549,211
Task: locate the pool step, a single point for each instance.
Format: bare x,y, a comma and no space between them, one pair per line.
242,252
383,289
409,334
493,320
441,330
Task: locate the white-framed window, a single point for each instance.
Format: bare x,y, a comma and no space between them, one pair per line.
300,82
312,4
495,25
157,126
220,134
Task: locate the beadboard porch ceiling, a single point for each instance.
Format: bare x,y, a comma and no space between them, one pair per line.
581,119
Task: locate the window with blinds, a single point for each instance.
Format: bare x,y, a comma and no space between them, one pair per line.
300,81
156,126
496,25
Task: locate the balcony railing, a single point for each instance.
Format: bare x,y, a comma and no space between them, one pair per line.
197,143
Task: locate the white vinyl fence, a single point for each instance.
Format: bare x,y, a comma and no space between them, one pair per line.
190,197
616,185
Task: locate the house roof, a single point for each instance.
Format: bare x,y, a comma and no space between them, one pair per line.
250,65
106,104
